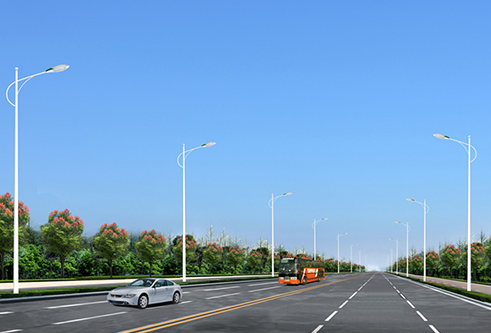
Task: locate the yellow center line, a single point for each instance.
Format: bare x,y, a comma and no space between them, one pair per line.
182,320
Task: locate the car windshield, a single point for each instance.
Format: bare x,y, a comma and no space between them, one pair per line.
141,283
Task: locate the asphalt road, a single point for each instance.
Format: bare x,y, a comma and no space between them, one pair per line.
373,302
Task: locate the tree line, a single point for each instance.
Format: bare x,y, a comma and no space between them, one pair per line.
59,249
451,261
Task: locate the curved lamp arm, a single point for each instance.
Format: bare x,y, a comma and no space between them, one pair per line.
270,202
187,152
55,69
463,144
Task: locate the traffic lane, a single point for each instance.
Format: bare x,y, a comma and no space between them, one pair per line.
42,315
377,307
58,315
446,311
296,312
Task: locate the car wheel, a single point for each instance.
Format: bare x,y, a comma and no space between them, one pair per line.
176,298
142,301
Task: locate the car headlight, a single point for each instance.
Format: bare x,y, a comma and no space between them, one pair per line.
129,295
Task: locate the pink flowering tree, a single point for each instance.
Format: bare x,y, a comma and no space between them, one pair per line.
477,257
416,264
111,242
451,257
7,226
62,234
213,255
191,248
235,256
150,247
432,260
254,259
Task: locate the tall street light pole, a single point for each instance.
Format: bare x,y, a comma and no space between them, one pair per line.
407,246
339,235
55,69
426,209
315,237
468,147
391,261
351,256
271,205
397,253
184,155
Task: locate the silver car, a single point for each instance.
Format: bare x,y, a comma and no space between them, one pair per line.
145,291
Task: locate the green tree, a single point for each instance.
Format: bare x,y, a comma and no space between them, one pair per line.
450,257
432,260
213,255
235,256
62,234
254,259
111,242
150,247
191,248
415,264
477,257
7,226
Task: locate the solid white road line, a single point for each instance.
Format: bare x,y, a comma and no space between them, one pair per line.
251,291
434,329
88,318
342,305
422,317
222,296
410,304
450,294
221,288
318,329
11,331
70,305
5,312
332,315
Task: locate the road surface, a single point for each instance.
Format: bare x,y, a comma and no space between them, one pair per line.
370,302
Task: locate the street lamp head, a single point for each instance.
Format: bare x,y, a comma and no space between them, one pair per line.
287,193
441,136
325,218
408,199
57,68
398,222
208,144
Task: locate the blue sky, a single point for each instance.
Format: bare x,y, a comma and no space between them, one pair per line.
334,101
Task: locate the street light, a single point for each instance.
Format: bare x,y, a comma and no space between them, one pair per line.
185,154
271,205
58,68
407,245
351,256
397,253
426,209
313,226
467,147
391,261
339,235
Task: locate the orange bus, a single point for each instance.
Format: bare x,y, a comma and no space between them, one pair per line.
300,271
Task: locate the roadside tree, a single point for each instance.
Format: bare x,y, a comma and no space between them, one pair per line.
254,259
213,255
62,234
235,256
450,257
7,226
150,247
111,242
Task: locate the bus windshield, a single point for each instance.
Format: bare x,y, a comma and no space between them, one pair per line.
287,266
